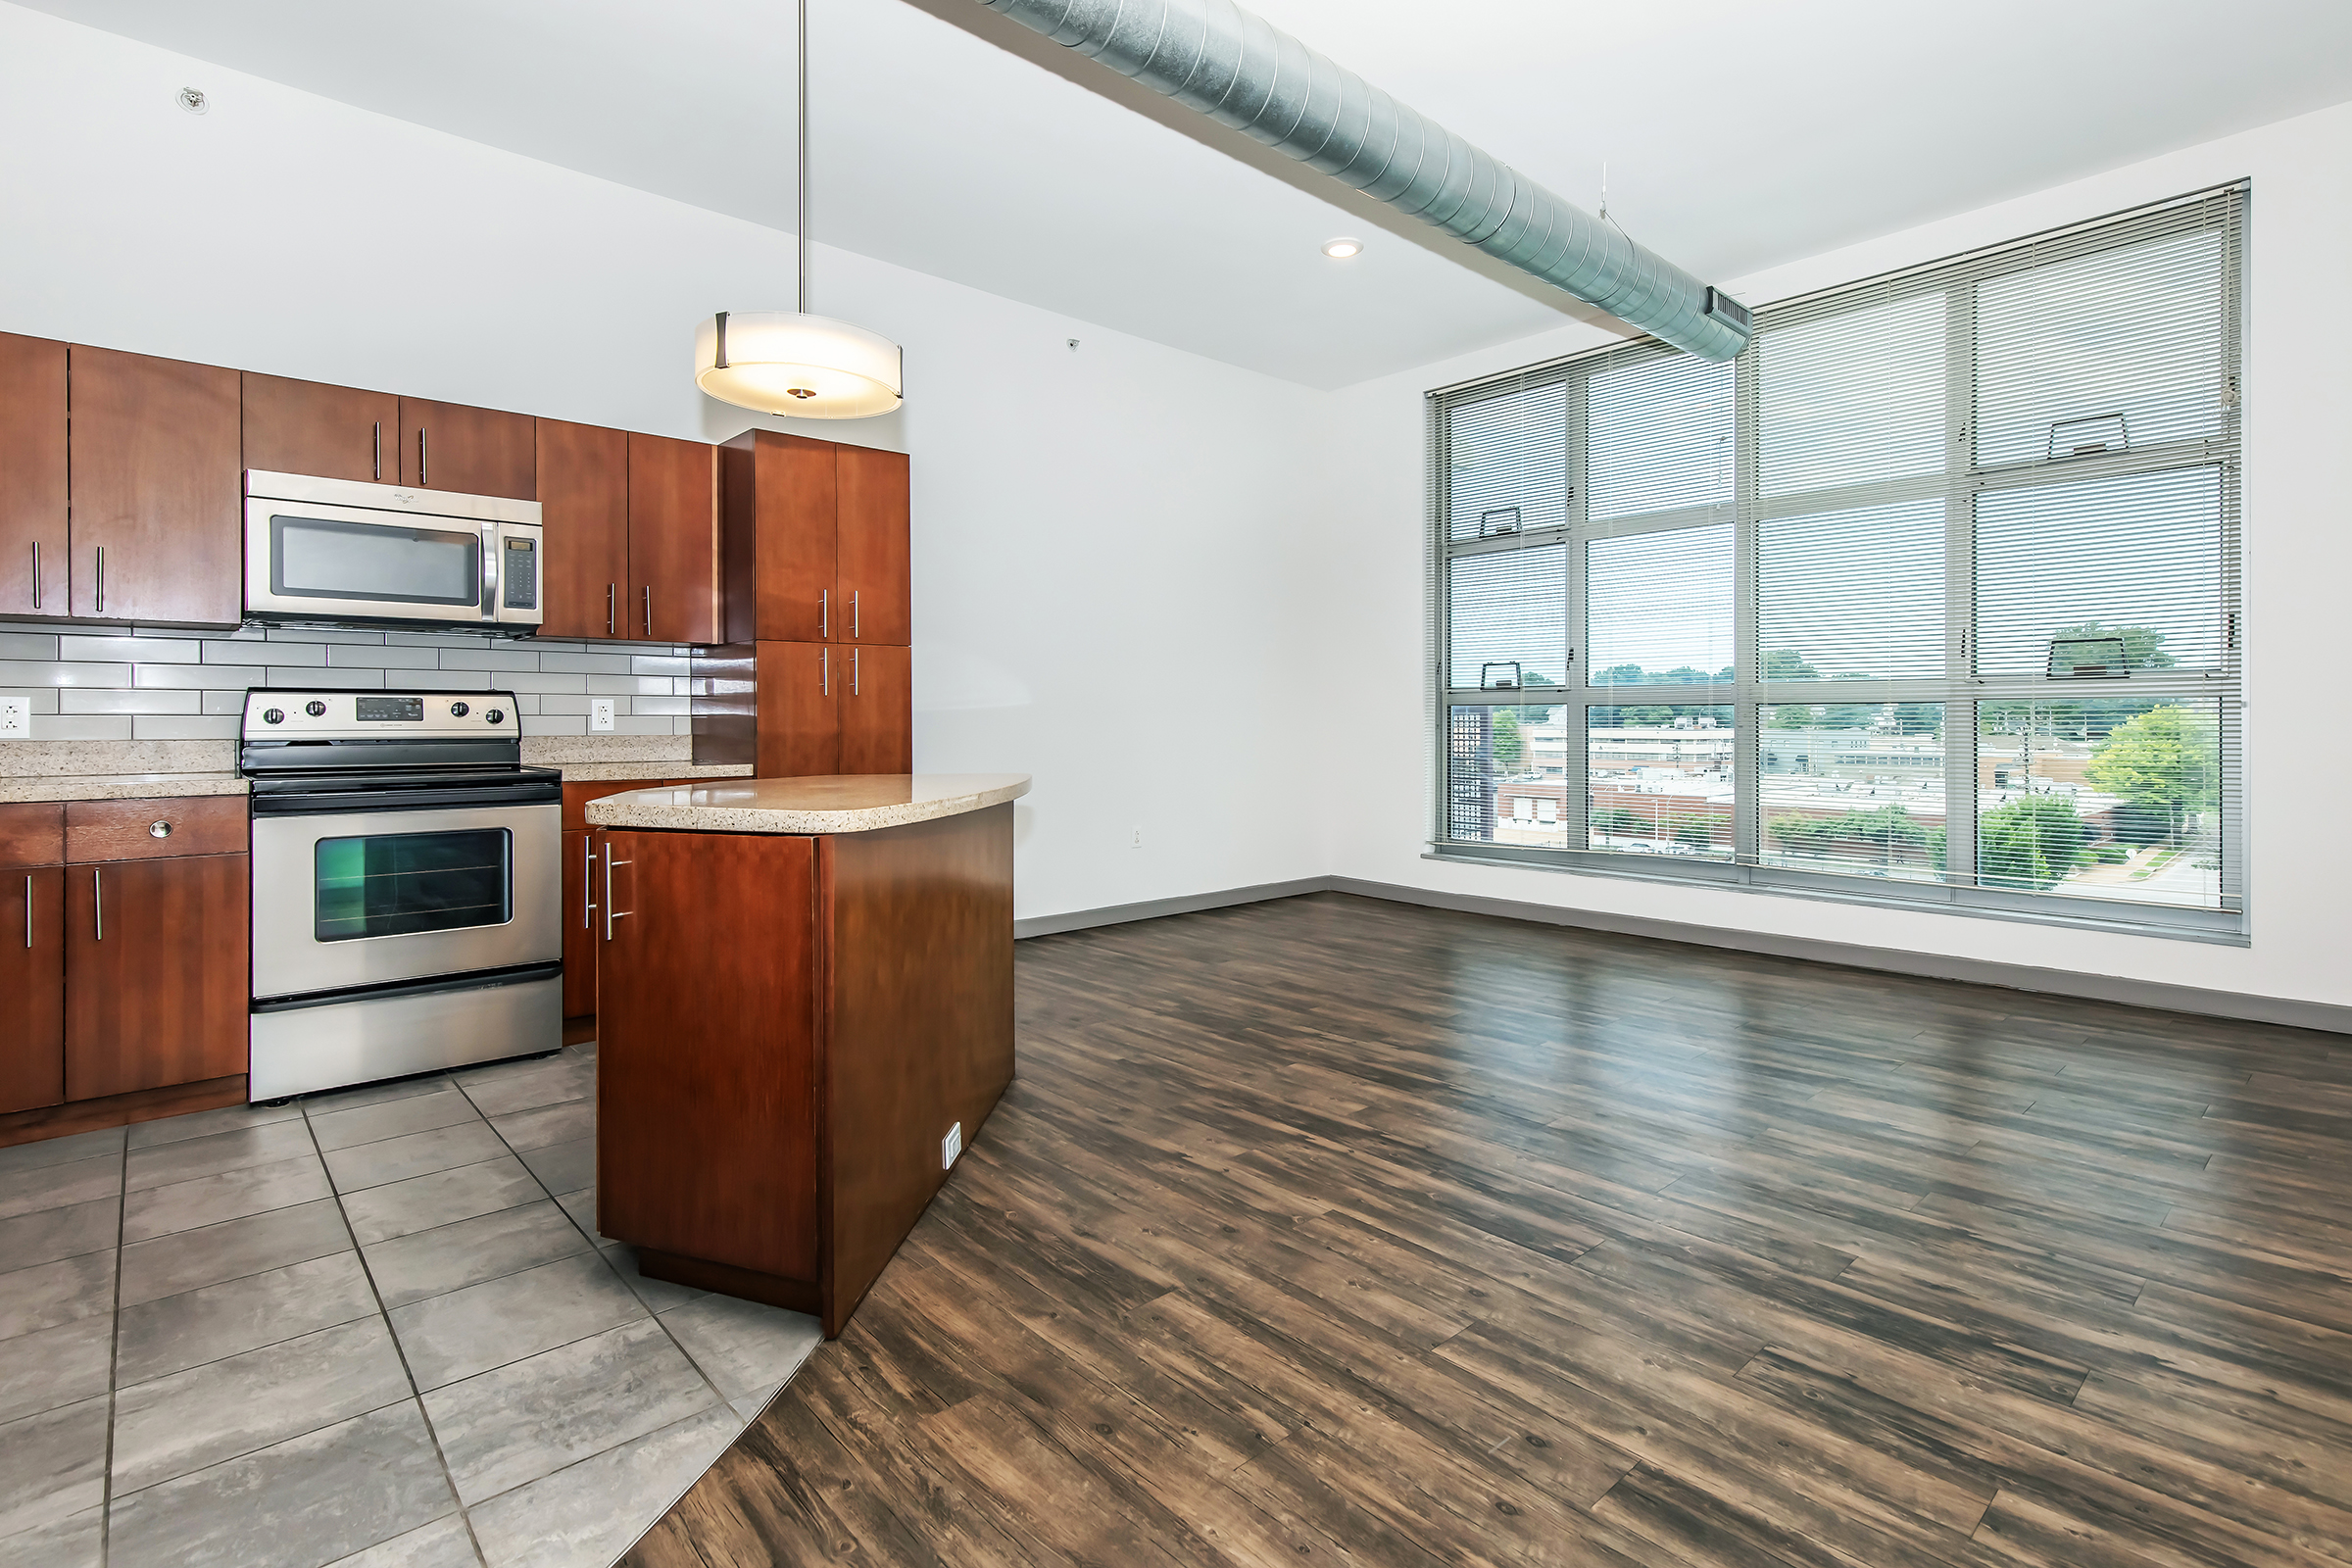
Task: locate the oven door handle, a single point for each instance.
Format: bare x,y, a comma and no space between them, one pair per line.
344,803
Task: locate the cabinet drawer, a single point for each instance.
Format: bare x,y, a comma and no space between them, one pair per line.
32,833
142,830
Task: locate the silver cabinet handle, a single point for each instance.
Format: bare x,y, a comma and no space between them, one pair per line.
648,611
824,671
587,882
853,596
37,574
610,913
100,608
824,613
28,909
611,628
420,457
376,441
853,653
98,901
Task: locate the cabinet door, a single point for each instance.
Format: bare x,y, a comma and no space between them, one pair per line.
157,973
673,540
33,977
706,1050
580,909
799,568
877,709
584,502
800,712
871,538
33,550
474,451
324,432
155,457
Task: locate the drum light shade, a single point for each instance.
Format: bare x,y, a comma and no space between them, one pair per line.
811,366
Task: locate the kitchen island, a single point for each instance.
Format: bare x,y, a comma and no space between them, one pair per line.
805,1013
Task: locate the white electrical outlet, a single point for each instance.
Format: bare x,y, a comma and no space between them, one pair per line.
16,718
950,1147
600,713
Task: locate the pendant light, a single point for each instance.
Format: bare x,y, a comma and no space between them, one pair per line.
789,362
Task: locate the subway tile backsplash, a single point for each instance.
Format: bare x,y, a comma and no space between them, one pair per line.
168,684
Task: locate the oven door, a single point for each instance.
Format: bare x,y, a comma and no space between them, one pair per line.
364,897
319,560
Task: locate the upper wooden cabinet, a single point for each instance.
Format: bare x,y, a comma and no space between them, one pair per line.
154,449
474,451
871,547
33,544
584,503
673,541
326,432
816,541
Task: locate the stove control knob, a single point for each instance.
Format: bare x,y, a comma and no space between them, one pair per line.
496,716
275,716
458,710
315,707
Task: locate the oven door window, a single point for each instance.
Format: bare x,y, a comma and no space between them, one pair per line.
322,558
401,884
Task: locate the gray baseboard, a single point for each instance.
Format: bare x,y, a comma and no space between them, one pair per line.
1045,925
2329,1016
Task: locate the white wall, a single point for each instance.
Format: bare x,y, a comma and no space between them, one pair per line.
2299,559
1108,542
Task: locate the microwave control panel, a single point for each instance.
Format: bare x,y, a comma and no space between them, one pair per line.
519,575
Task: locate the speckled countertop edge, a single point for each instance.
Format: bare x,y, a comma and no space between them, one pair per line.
591,773
117,786
627,810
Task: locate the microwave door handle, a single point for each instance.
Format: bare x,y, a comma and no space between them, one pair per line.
490,540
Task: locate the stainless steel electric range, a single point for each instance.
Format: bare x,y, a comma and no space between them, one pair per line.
407,887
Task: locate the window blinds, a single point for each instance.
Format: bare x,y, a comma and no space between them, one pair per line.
1930,596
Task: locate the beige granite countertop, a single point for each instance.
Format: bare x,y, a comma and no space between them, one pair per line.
855,802
590,772
117,786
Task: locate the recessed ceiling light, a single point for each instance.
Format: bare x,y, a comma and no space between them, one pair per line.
1338,250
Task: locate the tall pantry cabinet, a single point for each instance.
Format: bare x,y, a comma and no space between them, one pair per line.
816,674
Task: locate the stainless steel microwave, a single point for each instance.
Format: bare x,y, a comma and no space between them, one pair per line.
343,549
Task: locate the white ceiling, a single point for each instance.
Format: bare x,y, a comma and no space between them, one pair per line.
1735,135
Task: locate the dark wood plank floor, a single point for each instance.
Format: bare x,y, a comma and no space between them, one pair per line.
1331,1230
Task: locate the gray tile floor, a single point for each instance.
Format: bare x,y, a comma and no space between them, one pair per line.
372,1327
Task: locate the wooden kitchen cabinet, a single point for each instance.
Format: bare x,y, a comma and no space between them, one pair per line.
32,956
320,431
474,451
673,541
584,503
871,545
154,450
800,714
771,1105
583,885
876,705
158,972
34,551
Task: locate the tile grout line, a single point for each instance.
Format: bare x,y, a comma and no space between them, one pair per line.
699,1371
114,1364
368,1272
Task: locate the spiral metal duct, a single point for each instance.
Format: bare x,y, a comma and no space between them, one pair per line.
1218,59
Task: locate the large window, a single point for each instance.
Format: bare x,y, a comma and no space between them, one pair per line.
1930,597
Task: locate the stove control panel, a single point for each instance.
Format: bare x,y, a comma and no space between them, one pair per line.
347,715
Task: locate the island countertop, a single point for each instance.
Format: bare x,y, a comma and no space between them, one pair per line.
850,803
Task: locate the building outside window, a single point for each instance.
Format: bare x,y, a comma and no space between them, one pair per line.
1930,596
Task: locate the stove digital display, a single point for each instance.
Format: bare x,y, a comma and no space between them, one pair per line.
407,708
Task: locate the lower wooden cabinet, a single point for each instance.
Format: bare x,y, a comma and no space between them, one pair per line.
32,979
582,885
157,972
834,708
123,966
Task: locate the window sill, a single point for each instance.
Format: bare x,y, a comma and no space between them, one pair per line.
2222,927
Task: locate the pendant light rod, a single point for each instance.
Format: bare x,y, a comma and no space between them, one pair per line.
799,100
